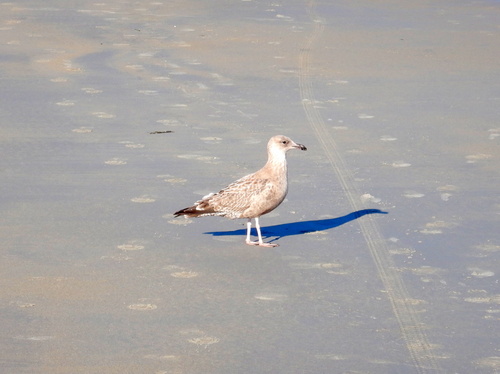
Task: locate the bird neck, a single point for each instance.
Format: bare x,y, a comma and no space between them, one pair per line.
277,162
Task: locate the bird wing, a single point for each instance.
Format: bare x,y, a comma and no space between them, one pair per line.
237,197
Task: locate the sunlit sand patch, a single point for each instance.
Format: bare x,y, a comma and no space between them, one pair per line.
116,161
446,191
103,115
388,138
251,141
283,17
68,66
118,258
319,232
492,314
26,305
472,159
135,67
335,101
494,133
413,195
305,265
492,362
185,274
172,65
177,105
222,81
426,270
440,224
317,235
173,267
400,164
169,122
175,180
143,199
488,247
162,358
171,179
91,90
480,273
431,232
340,271
146,54
148,92
66,103
448,188
12,21
130,144
181,44
142,307
130,247
204,340
13,42
495,299
402,251
365,116
330,267
135,146
59,80
211,139
413,302
181,222
493,311
331,356
208,159
227,239
370,198
419,347
446,196
342,128
95,11
161,79
354,151
271,296
41,338
83,130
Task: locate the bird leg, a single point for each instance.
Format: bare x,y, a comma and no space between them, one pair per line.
260,242
249,228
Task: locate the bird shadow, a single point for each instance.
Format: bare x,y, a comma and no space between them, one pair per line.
301,227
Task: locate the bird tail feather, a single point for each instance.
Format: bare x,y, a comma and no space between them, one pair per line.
196,211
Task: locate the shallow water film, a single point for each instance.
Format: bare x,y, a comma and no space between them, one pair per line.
115,114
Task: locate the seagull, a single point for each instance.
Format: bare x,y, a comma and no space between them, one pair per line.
253,195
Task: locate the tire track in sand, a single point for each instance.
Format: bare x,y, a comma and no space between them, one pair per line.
412,329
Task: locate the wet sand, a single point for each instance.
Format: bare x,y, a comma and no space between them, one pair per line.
389,245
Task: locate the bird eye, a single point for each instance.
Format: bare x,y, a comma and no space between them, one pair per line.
284,141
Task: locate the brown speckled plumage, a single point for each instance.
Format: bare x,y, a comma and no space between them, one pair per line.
253,195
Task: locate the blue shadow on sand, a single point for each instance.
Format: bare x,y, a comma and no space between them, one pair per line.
302,227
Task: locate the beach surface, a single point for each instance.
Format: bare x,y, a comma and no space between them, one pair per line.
116,114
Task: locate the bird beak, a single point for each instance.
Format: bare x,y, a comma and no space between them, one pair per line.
302,147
